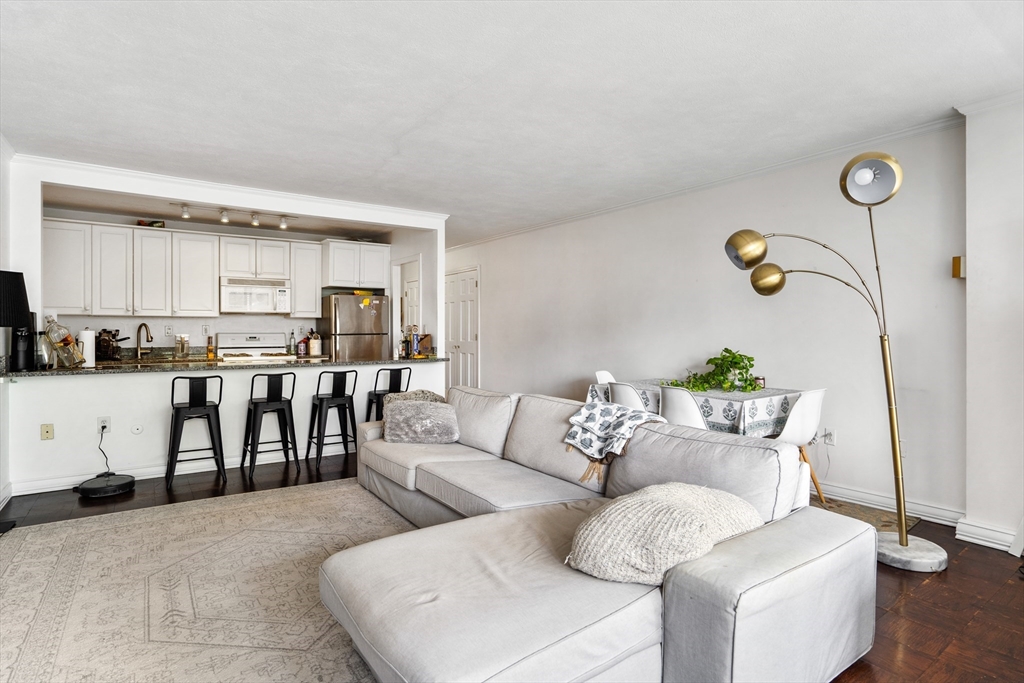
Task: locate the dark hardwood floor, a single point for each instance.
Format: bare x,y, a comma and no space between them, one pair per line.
55,506
963,624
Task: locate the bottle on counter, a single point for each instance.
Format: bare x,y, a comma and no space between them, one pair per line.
211,354
291,344
315,345
302,348
63,344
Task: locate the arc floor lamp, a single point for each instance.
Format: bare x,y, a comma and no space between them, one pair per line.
868,180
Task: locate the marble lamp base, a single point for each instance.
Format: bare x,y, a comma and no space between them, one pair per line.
919,556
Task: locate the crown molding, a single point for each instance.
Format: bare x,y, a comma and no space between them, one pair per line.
991,103
954,121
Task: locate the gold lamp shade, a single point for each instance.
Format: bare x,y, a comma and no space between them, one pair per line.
871,178
768,279
746,248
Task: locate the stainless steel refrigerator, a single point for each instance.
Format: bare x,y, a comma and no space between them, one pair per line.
356,327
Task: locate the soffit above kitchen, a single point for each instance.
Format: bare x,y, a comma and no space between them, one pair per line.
207,217
503,115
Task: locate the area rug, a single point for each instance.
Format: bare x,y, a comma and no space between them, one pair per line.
223,589
883,520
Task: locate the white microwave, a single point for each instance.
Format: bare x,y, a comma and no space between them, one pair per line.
248,295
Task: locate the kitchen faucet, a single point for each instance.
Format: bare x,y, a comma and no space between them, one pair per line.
138,340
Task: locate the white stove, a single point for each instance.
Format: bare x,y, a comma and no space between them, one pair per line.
267,347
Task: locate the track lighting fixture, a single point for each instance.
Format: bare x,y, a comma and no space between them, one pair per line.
223,216
184,211
255,221
284,223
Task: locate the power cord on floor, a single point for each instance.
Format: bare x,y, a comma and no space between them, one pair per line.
106,462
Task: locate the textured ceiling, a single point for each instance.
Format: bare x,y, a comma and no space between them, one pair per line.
504,115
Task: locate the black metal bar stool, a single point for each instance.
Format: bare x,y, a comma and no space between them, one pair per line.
343,383
273,401
197,406
397,382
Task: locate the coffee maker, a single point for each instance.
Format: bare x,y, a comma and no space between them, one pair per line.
14,313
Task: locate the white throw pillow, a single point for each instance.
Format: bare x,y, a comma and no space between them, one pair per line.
638,537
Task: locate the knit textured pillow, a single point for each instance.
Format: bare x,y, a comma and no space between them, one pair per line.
420,422
638,537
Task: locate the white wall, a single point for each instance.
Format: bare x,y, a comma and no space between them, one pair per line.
995,322
6,154
406,243
648,292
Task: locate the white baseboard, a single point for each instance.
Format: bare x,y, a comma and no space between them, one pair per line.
932,513
985,534
22,488
1017,547
5,494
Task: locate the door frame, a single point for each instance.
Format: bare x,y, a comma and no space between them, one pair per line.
479,312
396,286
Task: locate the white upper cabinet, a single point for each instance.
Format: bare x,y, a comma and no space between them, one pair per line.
306,279
67,267
374,265
354,264
237,257
112,280
195,281
272,259
152,272
247,257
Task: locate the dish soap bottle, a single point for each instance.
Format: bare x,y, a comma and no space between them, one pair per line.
210,354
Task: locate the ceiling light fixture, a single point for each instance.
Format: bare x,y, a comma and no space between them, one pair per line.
284,223
184,211
223,216
255,221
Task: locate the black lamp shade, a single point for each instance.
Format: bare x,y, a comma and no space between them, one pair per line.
14,311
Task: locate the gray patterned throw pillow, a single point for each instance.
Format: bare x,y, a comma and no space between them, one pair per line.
420,422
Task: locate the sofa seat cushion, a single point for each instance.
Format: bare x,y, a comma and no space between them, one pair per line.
483,486
488,599
398,461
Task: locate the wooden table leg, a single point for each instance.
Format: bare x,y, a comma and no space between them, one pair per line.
814,477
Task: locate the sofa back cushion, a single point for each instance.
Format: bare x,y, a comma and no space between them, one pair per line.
761,471
484,417
537,440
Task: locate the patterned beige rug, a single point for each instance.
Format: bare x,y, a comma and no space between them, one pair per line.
223,589
883,520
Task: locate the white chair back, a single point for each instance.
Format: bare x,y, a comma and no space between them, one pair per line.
626,395
679,407
803,420
604,377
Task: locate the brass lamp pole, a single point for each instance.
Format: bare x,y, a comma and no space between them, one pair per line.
868,180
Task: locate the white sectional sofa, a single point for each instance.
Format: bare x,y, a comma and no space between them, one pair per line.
481,591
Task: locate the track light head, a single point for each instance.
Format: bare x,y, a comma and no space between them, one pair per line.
283,224
255,221
224,216
184,211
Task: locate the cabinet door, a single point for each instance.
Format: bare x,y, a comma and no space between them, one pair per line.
194,268
374,265
305,277
67,267
341,264
237,257
112,280
272,259
152,290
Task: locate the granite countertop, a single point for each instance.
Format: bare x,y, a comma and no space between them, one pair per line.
127,366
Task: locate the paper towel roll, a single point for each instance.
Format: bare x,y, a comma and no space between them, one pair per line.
87,345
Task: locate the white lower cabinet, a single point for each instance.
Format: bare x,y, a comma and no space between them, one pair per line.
112,281
67,267
306,278
152,290
195,271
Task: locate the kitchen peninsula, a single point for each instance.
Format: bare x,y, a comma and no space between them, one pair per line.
137,396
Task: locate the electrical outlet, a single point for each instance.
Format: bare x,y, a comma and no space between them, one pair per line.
45,432
206,330
102,425
830,437
168,331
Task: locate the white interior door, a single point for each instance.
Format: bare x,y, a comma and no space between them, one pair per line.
462,313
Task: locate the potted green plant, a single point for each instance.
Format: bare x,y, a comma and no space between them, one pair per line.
730,371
